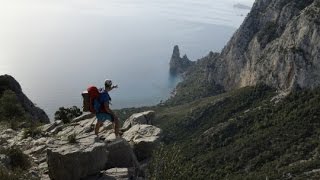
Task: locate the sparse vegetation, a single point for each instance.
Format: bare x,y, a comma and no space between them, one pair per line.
19,164
6,174
67,114
32,131
18,159
244,135
167,164
11,110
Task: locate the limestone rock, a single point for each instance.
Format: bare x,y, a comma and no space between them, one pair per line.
114,174
73,162
278,45
51,126
84,116
35,150
144,139
139,118
48,127
56,129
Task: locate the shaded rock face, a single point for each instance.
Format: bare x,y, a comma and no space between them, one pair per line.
278,44
121,155
179,65
35,112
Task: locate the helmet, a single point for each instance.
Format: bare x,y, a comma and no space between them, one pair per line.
108,82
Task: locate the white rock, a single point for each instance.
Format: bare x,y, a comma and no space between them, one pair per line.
144,139
73,162
139,118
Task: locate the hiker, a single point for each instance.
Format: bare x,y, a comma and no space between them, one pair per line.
107,113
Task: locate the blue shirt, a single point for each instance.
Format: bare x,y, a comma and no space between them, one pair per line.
103,98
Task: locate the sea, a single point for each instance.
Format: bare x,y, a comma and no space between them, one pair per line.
55,49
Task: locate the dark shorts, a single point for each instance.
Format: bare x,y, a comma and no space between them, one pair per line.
102,117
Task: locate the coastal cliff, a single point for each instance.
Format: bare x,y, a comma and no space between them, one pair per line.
278,45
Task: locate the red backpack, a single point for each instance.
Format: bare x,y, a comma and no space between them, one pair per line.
89,97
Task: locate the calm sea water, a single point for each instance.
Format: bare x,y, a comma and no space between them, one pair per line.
55,49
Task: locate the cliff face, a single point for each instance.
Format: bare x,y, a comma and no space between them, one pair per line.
8,82
278,44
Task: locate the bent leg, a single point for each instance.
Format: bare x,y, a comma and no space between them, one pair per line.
116,127
97,128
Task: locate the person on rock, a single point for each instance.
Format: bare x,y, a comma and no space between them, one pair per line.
107,114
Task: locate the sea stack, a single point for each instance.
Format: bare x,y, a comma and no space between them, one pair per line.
179,65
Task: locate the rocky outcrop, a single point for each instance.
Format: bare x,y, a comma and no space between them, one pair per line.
138,118
8,82
179,65
72,151
278,45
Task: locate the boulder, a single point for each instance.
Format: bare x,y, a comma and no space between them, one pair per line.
139,118
121,155
76,161
144,138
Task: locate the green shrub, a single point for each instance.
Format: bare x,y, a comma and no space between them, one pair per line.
32,131
167,163
18,159
67,114
6,174
10,107
243,135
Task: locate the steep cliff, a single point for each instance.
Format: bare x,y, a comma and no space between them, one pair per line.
278,44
